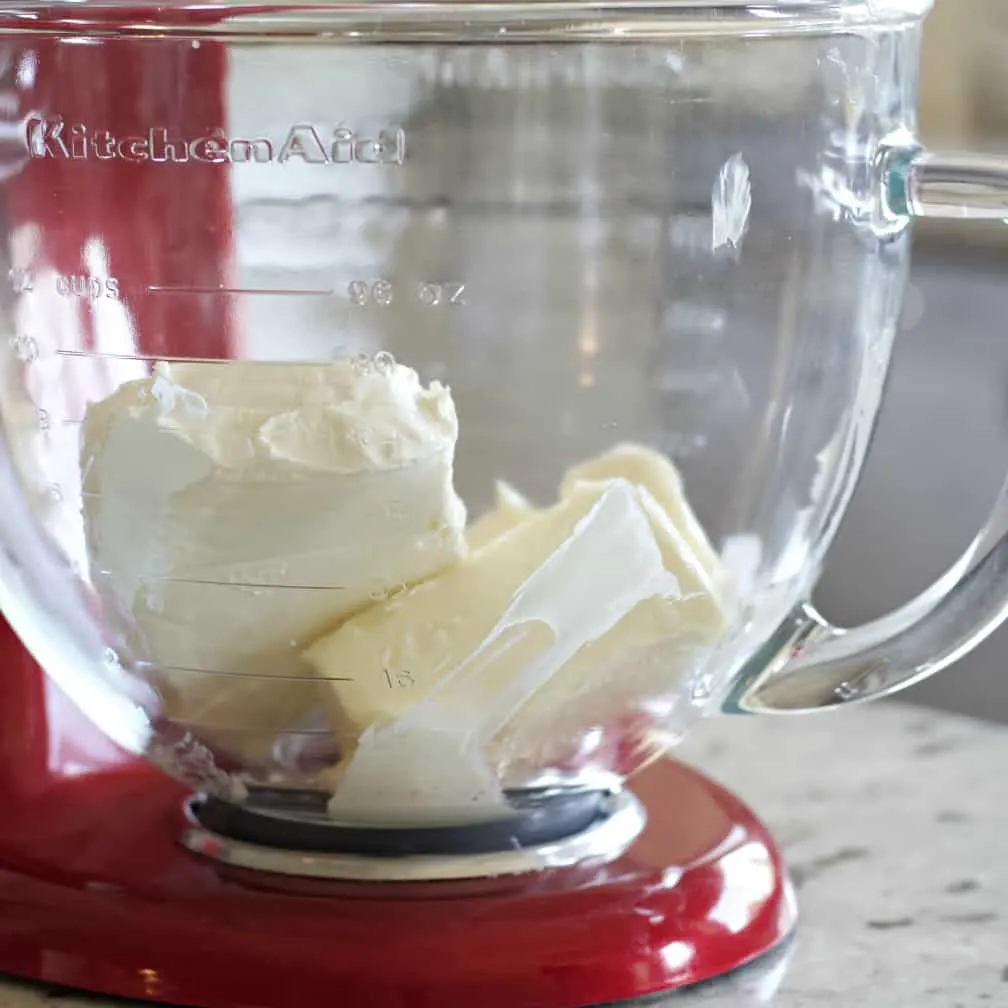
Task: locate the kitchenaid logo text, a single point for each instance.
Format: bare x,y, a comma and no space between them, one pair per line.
303,143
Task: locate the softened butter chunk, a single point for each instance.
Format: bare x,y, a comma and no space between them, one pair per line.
410,650
510,508
236,510
655,472
541,605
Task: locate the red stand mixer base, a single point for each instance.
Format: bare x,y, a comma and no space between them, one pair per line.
97,893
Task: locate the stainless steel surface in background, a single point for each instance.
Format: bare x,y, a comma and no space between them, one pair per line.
938,459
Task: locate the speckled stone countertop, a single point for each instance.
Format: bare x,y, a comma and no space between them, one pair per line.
895,823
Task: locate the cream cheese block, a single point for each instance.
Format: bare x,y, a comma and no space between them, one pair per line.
236,510
521,630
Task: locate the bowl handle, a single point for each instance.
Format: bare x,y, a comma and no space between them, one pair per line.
815,666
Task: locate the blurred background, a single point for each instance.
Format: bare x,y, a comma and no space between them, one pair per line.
941,450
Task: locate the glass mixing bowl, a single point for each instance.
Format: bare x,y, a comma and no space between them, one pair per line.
410,409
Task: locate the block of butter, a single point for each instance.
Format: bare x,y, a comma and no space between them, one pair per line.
529,606
236,510
641,678
659,476
418,651
510,509
635,463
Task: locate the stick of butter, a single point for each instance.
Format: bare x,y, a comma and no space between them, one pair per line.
404,656
639,678
538,603
510,509
635,463
235,510
656,473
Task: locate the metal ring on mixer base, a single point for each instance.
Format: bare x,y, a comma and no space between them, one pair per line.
604,840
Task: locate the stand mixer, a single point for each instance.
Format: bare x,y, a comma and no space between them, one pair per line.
413,420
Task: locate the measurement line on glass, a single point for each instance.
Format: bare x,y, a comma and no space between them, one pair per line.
216,583
431,293
336,477
102,355
165,289
251,675
167,358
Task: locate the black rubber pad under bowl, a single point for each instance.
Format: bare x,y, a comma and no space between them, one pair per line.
297,822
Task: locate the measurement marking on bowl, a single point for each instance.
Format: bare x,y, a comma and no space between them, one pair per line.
335,477
237,584
154,358
288,292
253,675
